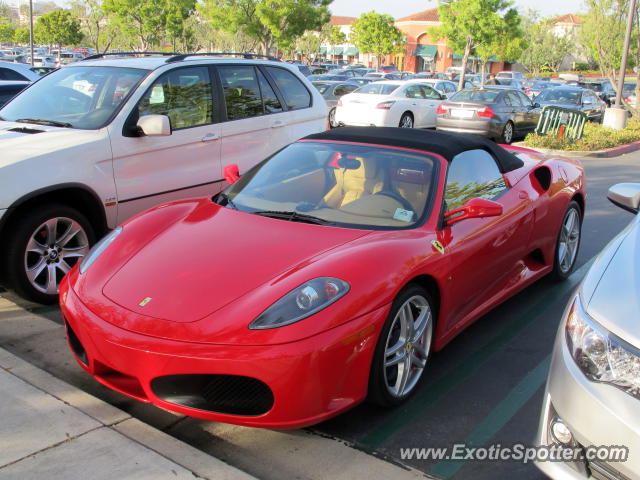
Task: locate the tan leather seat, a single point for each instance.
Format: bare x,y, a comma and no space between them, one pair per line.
413,185
354,184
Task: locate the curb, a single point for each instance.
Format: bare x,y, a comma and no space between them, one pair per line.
199,463
606,153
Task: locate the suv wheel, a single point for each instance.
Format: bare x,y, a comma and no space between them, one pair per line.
42,246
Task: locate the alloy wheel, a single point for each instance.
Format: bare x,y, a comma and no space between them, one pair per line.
406,122
507,135
569,240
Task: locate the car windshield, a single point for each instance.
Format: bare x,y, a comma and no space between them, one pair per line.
479,96
379,88
78,97
553,95
629,87
339,184
321,87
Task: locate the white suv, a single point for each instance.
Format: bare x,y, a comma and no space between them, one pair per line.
90,145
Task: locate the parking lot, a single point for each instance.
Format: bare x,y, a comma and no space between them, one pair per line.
484,388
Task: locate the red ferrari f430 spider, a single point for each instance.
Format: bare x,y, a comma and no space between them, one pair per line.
327,274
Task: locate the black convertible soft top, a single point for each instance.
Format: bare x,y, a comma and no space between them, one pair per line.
447,145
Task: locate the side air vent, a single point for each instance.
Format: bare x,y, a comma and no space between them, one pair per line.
543,177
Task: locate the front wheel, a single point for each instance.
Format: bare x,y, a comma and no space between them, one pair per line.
568,242
406,121
42,246
403,348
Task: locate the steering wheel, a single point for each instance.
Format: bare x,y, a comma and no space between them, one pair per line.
398,198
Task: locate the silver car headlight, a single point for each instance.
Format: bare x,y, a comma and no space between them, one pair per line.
302,302
600,355
98,248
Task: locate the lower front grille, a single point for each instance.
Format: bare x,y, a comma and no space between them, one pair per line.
230,394
76,345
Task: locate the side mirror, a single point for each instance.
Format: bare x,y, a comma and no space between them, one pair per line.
231,173
536,105
155,125
474,208
625,196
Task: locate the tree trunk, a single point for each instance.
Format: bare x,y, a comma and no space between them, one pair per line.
482,70
465,58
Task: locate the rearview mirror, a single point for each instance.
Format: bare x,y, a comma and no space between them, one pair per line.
155,125
231,173
474,208
625,196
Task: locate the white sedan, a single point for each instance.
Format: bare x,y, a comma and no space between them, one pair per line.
390,104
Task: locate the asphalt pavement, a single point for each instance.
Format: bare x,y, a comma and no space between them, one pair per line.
484,388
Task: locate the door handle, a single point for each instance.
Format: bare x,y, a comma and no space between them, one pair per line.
210,137
278,124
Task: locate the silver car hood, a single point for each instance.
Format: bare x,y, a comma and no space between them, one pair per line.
611,289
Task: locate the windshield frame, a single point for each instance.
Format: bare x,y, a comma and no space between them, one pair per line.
116,111
437,161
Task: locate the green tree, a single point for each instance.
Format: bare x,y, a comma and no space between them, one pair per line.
7,31
376,34
269,22
484,27
545,50
58,27
332,35
95,25
21,36
309,45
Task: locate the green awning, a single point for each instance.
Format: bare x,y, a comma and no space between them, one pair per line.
428,52
337,51
351,51
323,50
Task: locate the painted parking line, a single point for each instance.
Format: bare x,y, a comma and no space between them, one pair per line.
504,411
465,368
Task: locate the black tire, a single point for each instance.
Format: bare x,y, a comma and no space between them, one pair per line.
406,121
332,118
379,393
20,232
560,271
507,134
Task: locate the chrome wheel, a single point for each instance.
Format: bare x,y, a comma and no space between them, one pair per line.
332,118
406,121
407,346
507,134
569,240
52,250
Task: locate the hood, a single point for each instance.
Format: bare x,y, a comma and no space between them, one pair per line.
212,257
615,301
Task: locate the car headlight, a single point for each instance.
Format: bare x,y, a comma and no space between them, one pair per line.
302,302
600,355
98,248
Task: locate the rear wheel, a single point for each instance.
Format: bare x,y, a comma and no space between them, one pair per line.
406,121
42,246
507,133
403,348
568,242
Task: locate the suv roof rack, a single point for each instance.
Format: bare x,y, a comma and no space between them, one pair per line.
245,55
124,54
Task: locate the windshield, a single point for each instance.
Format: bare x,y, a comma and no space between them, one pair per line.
379,88
78,97
553,95
321,87
478,96
340,184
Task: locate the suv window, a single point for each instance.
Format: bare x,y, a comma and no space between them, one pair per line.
295,93
183,94
269,98
8,74
472,174
241,91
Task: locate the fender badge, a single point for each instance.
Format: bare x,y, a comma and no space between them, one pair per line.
145,301
438,246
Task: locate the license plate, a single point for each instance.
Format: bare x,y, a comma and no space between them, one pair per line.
455,112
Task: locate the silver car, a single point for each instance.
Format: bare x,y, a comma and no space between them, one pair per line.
332,91
592,397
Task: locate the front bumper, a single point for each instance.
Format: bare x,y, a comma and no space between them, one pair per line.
311,380
597,415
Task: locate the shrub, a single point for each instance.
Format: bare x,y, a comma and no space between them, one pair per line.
595,137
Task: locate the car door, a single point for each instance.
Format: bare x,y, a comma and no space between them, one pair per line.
254,119
519,117
149,170
591,106
432,99
485,253
414,98
530,113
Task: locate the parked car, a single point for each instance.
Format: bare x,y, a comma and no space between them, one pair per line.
406,75
10,88
390,104
343,72
69,57
511,75
394,255
575,98
332,92
537,87
422,76
362,80
327,76
318,70
602,88
17,71
382,76
445,88
388,68
497,113
358,71
595,361
95,142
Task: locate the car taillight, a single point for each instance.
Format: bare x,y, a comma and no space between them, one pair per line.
385,105
486,112
441,109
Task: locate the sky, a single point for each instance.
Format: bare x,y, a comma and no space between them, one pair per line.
401,8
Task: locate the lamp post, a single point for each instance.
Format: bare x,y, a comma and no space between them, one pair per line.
31,29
